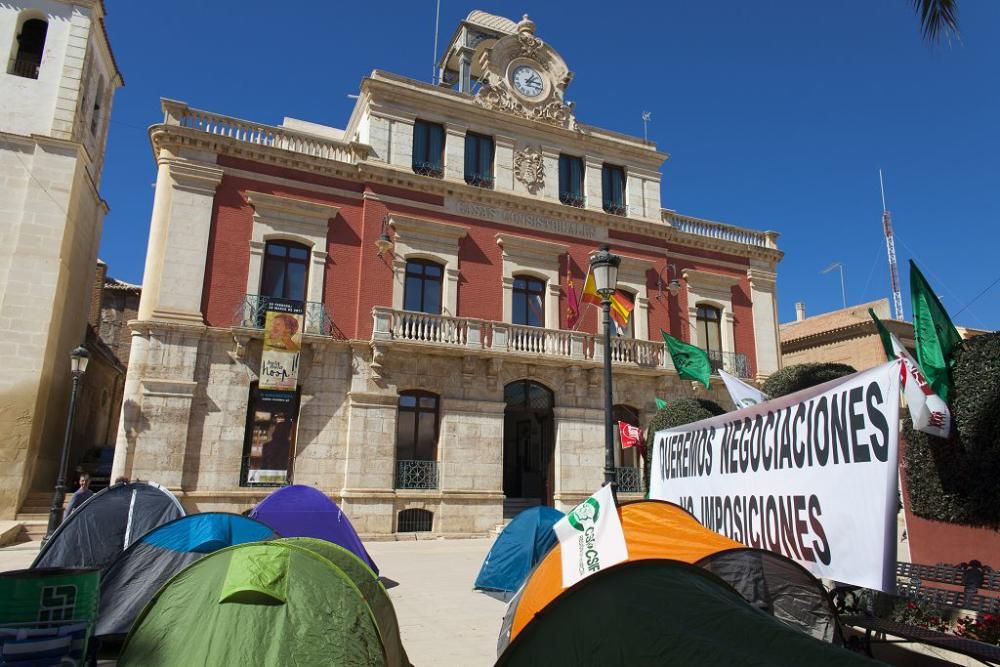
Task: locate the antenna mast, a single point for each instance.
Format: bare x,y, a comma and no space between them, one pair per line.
437,22
890,245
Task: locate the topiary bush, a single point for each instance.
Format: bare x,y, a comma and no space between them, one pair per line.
955,479
797,377
678,412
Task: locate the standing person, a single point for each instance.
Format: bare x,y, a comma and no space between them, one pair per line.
80,495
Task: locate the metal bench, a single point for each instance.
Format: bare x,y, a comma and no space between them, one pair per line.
914,582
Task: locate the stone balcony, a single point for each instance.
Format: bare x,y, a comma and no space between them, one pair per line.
470,334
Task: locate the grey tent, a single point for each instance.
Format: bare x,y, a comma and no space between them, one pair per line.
107,524
780,587
137,573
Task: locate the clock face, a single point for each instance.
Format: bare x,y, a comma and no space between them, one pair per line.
527,81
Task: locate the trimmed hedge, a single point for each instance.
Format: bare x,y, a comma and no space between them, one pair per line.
797,377
956,480
678,412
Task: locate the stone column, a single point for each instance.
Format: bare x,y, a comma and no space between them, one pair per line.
178,241
763,296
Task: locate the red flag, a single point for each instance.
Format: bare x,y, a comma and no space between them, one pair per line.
631,435
573,307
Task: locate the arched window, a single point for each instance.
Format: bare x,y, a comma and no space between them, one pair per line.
30,47
529,301
286,271
422,288
95,114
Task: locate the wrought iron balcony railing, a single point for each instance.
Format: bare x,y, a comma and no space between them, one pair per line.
479,180
27,66
629,479
616,209
734,363
570,199
253,310
416,474
432,169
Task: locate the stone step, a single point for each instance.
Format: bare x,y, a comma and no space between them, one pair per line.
35,530
33,516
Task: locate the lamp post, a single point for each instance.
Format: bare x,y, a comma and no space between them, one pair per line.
605,268
78,366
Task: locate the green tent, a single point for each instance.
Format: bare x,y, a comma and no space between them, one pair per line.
371,590
663,612
261,603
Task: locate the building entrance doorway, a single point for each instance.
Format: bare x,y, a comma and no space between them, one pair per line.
528,443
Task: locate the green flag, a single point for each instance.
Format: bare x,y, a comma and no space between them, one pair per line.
660,404
935,334
884,334
690,361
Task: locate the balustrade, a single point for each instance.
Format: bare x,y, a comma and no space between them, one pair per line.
718,230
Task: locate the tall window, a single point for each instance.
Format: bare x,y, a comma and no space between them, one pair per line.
286,270
710,333
269,444
95,114
613,189
478,160
422,289
30,47
417,426
529,302
428,148
571,180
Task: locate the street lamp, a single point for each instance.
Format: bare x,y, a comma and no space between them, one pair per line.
78,359
605,268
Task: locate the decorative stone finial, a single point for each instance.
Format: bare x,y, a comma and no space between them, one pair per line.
526,25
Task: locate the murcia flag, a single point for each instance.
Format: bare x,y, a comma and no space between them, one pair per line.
590,537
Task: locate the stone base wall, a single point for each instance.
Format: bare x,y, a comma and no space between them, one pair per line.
188,389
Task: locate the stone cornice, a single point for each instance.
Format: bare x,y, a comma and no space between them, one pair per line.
523,245
196,176
383,89
163,136
428,228
290,208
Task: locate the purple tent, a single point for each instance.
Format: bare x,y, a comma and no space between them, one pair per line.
303,511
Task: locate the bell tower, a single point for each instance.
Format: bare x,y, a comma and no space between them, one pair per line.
57,81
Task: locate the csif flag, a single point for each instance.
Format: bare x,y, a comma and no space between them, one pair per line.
631,435
590,537
928,412
690,360
660,403
936,336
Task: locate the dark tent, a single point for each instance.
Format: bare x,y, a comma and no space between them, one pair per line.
262,603
303,511
134,577
780,587
663,612
107,524
521,545
371,590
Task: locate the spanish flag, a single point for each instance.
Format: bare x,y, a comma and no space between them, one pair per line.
590,294
621,308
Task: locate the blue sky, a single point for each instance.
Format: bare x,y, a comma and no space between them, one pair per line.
777,115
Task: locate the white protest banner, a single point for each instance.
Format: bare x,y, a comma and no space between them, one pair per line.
590,537
743,395
811,475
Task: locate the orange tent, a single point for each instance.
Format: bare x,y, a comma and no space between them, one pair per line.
653,529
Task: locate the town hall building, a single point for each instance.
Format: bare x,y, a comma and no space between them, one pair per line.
384,311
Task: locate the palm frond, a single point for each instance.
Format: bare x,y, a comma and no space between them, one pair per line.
937,17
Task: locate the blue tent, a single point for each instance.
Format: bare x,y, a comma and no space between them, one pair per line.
521,545
134,577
